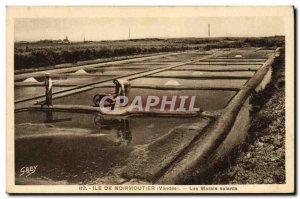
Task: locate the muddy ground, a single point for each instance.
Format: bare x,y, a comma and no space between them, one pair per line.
263,160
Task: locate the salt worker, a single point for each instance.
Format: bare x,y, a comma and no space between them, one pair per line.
122,87
48,90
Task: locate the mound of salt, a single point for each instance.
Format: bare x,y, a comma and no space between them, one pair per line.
172,83
151,126
238,56
81,71
31,79
197,73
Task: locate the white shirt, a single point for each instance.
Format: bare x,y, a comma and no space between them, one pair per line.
123,83
50,83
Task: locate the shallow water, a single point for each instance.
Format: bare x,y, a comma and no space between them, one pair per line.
31,91
100,72
205,100
138,65
61,82
218,67
235,60
76,79
113,68
199,74
220,83
178,58
204,62
79,148
260,54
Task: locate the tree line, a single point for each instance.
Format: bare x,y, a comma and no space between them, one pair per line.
48,57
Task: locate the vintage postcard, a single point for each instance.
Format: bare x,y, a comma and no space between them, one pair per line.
150,100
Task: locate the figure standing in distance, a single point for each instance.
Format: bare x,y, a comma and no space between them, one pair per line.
122,87
48,90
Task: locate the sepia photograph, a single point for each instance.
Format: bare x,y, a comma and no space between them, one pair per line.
150,99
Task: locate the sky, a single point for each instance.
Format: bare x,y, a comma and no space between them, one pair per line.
96,29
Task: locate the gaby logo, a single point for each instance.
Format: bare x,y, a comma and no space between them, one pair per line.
149,103
28,170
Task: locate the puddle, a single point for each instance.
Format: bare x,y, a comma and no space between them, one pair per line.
80,148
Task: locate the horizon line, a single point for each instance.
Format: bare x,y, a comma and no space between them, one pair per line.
87,40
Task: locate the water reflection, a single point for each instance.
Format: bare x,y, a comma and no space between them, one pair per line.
124,135
50,118
207,99
79,148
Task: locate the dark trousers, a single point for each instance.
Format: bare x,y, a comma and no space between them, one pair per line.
48,94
